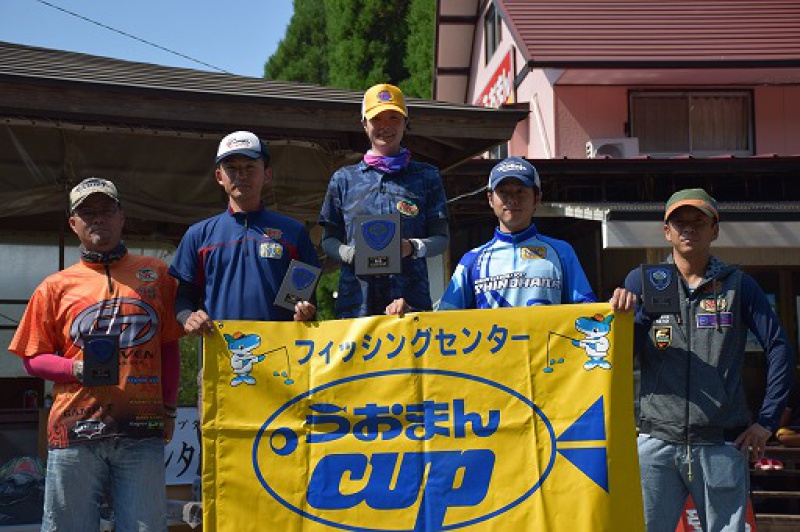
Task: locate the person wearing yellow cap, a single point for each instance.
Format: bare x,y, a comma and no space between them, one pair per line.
386,181
695,430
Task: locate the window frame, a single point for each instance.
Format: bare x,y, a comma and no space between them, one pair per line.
492,31
688,95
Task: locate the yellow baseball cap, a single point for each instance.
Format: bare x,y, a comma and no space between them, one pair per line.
382,97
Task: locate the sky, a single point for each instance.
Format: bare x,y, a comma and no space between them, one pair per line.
211,31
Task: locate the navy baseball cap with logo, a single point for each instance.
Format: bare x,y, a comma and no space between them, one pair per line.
515,167
242,143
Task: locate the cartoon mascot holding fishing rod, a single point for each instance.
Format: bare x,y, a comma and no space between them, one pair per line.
595,342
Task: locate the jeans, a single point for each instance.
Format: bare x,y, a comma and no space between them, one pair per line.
77,477
719,485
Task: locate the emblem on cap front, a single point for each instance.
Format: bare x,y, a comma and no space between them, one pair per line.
384,96
239,143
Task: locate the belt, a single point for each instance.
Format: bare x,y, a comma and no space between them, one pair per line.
704,433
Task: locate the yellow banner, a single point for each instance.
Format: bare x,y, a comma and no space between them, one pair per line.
511,419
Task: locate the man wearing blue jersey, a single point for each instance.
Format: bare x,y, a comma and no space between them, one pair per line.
231,266
519,267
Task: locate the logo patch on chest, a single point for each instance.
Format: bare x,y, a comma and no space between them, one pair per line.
533,252
407,208
147,275
662,336
709,321
708,304
270,250
274,234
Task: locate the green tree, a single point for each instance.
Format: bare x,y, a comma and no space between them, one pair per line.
419,48
366,41
356,43
302,53
187,390
327,291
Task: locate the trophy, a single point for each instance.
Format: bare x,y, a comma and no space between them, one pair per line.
100,359
660,289
378,244
298,284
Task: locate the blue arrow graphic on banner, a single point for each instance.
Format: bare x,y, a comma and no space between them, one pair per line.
591,460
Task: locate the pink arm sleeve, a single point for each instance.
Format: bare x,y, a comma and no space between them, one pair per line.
49,367
170,371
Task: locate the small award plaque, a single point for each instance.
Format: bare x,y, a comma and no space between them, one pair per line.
660,289
298,284
100,359
378,244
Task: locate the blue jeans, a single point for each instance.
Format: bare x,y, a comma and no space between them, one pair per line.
77,478
719,486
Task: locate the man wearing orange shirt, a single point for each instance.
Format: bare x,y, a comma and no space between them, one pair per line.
107,426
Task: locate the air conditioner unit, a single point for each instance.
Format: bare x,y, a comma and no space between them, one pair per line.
619,148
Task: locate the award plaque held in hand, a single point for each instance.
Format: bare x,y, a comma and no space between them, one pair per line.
660,289
298,284
378,244
100,359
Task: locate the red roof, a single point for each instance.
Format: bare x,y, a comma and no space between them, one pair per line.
728,32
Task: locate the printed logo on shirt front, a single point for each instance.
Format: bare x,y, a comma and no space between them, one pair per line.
662,337
147,275
133,320
407,208
274,234
147,292
270,250
533,252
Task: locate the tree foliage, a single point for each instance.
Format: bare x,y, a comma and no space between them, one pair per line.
302,53
356,43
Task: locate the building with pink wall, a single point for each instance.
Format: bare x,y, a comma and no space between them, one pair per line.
628,101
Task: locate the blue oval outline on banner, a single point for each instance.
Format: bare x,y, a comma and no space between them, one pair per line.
405,371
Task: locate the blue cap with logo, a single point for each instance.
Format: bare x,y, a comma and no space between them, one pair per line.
515,167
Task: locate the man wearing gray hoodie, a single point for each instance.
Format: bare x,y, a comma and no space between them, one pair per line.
695,428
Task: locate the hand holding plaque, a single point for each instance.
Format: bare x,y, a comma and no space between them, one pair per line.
100,359
298,284
378,241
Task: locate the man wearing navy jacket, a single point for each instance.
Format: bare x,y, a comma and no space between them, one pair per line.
695,428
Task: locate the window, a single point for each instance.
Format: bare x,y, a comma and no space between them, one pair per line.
700,123
499,152
492,31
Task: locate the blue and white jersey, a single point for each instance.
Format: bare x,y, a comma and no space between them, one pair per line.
518,270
